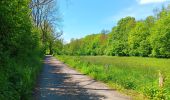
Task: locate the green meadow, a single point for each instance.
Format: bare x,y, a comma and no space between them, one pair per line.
135,76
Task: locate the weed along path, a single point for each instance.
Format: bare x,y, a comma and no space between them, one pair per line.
59,82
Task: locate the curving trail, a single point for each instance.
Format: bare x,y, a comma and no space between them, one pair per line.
59,82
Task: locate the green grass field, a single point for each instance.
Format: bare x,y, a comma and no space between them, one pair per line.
126,73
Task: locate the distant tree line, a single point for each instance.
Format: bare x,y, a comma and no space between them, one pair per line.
149,37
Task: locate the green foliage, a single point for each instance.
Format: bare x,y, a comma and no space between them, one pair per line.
123,28
149,37
94,44
160,38
138,40
20,50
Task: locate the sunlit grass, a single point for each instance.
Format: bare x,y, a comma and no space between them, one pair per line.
131,73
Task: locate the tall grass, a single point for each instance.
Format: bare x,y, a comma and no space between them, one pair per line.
130,73
18,77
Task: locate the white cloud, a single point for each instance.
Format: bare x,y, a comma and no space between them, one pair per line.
150,1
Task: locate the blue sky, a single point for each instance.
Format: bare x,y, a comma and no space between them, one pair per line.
83,17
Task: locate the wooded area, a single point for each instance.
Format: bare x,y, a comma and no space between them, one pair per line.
147,38
26,33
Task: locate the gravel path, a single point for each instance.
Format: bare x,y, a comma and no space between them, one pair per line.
59,82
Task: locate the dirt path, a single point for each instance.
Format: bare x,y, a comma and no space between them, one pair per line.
59,82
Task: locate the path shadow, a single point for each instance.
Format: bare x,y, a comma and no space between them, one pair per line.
57,86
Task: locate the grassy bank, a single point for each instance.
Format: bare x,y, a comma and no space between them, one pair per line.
18,77
126,73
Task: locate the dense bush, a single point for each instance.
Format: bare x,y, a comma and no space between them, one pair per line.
20,50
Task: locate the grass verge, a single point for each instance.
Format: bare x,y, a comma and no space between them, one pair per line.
18,77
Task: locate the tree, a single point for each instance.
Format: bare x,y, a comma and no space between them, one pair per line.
44,14
125,25
110,42
138,40
160,38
